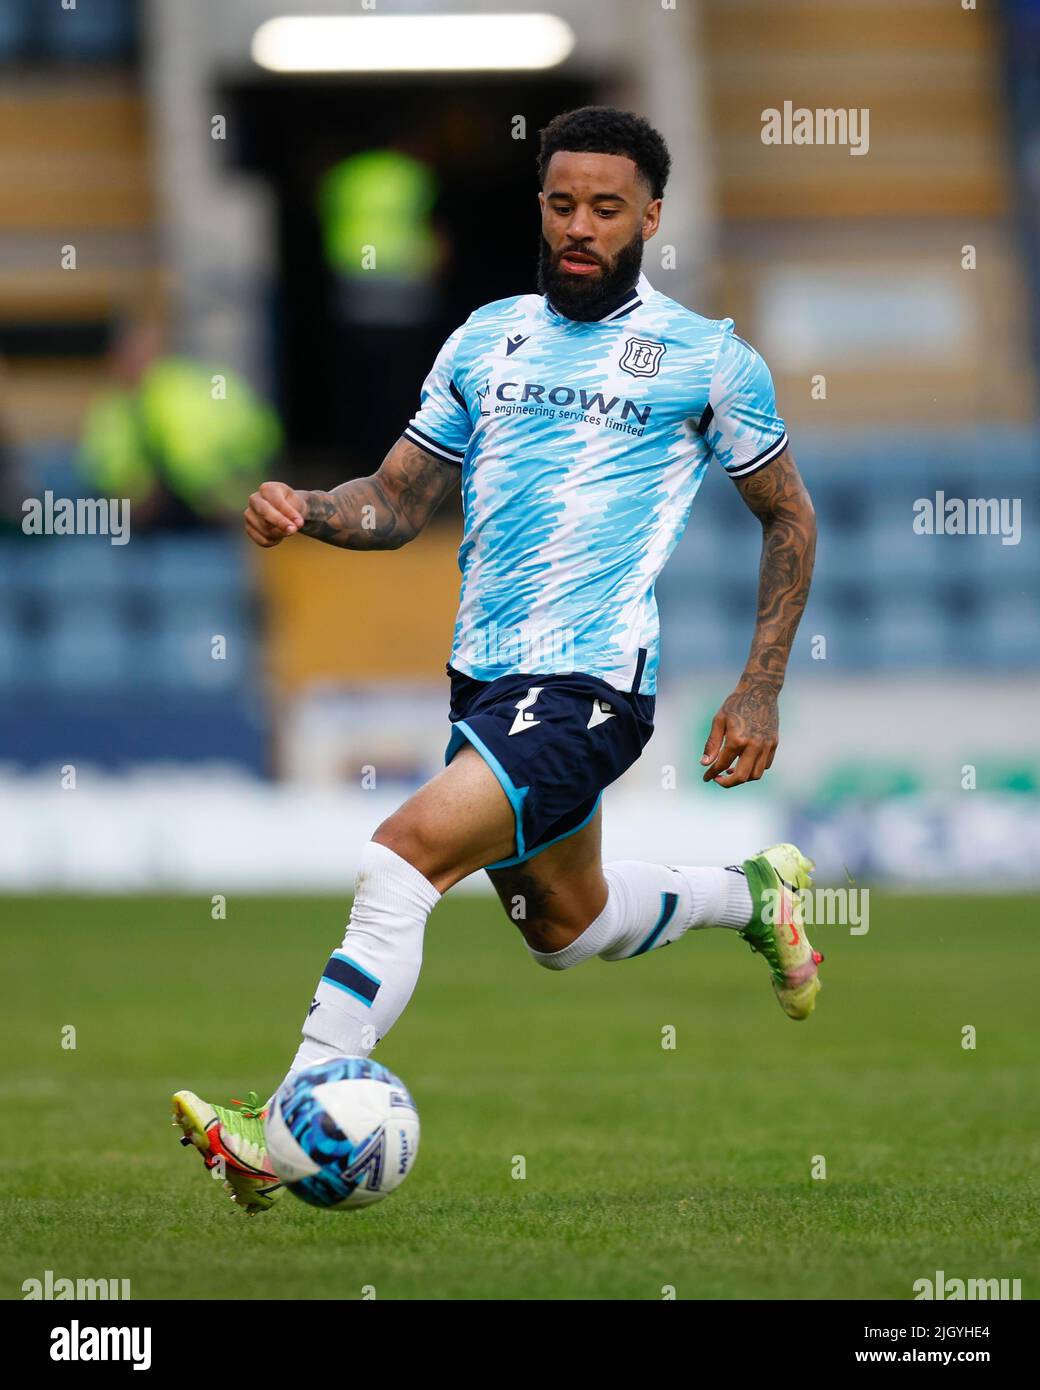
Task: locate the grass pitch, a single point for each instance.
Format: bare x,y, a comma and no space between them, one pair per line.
646,1167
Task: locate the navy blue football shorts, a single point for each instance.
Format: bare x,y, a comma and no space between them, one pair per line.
553,742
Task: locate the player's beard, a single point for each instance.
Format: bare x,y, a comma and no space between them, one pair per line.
590,296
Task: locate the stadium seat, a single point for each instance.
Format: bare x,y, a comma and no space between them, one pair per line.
85,651
208,563
908,636
1007,634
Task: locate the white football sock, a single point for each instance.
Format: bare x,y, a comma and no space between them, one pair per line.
651,905
367,983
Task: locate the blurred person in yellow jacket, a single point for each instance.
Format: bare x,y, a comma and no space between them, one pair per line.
379,237
182,439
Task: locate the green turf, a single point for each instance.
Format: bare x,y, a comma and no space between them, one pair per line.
645,1167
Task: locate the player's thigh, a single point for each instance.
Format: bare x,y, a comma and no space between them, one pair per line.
455,824
554,896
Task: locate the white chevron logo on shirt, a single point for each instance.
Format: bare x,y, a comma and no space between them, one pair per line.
524,720
601,712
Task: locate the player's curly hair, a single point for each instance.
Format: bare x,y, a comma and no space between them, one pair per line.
605,130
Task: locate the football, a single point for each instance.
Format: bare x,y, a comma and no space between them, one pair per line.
342,1134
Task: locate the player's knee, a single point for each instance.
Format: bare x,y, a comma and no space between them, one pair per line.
410,837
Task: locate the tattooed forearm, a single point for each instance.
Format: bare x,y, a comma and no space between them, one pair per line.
386,510
779,499
357,515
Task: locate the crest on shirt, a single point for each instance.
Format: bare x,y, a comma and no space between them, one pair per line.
641,357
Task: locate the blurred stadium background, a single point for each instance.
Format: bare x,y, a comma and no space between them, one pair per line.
173,213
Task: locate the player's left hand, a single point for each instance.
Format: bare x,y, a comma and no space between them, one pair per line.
743,738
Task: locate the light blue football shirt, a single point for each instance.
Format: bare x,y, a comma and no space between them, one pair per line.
582,446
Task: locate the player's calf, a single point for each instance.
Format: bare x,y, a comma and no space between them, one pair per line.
549,911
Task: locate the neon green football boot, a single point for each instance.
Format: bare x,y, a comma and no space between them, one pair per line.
232,1144
777,878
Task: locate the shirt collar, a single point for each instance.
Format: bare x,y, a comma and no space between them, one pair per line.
630,300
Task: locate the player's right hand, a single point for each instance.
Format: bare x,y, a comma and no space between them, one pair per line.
275,511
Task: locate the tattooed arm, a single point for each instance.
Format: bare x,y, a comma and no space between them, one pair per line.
382,512
745,730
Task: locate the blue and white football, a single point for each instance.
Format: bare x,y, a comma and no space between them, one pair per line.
342,1134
